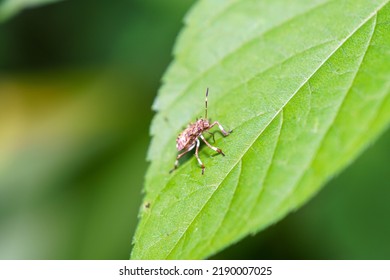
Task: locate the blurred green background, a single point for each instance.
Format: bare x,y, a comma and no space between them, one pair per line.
77,80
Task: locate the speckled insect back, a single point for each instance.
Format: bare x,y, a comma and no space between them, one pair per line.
189,138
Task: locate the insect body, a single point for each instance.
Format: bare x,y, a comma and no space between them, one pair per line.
189,138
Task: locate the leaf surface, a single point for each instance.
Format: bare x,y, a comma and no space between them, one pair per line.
305,87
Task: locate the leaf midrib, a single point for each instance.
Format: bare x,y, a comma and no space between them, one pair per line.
232,52
335,117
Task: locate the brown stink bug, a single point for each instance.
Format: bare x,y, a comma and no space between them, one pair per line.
189,138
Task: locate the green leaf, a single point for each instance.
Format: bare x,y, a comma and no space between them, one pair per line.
305,87
9,8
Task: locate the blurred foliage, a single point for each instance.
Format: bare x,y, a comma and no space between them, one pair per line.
75,99
9,8
76,87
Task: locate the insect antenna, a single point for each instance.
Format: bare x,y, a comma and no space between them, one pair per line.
207,94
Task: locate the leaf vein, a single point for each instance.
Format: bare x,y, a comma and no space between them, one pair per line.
262,189
336,117
199,212
241,46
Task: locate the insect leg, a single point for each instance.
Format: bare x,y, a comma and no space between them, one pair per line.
179,156
224,132
212,147
197,156
212,134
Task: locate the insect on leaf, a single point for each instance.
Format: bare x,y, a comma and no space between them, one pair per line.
305,87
